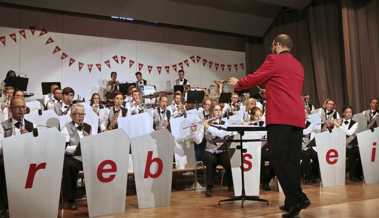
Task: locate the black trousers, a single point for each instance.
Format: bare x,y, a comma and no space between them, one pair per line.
211,161
267,171
200,149
285,143
71,168
3,187
353,162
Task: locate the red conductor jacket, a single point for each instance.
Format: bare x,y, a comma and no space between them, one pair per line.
282,75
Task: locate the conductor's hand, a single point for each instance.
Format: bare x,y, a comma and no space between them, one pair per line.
233,81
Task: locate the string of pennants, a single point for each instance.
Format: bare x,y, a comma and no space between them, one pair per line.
117,59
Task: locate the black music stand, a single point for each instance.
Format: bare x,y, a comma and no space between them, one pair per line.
241,130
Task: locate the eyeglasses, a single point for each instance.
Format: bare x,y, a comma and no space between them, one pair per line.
79,114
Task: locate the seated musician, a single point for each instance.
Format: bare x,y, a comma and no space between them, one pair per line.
20,94
95,103
50,96
307,103
73,132
329,115
128,97
13,126
115,112
181,81
161,115
57,97
112,86
64,107
140,81
205,114
309,163
353,160
6,100
136,106
177,108
372,114
250,103
216,151
233,107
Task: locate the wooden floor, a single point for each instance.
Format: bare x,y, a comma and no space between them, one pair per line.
351,201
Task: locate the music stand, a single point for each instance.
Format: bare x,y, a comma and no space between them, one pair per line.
225,97
179,88
47,85
18,83
241,130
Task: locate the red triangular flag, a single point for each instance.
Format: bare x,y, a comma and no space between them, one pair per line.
81,65
204,61
229,67
242,66
159,69
98,67
181,65
174,67
115,58
89,67
193,59
236,67
167,68
72,60
131,62
149,68
32,29
49,40
22,33
13,36
63,56
42,32
56,49
3,40
108,63
216,66
140,66
198,59
210,64
222,67
123,58
186,62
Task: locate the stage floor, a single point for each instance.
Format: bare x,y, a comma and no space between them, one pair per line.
350,201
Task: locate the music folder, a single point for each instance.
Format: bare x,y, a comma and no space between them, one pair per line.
46,86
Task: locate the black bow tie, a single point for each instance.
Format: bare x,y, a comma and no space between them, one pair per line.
18,124
346,122
162,112
65,107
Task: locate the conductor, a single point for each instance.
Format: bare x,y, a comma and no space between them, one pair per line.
282,75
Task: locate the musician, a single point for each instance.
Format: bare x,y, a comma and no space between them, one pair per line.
57,97
250,103
353,163
6,82
161,115
140,81
64,107
309,164
372,114
50,96
200,144
177,108
95,103
128,97
13,126
329,112
115,112
6,99
216,151
233,107
112,85
282,76
136,106
181,80
73,132
307,103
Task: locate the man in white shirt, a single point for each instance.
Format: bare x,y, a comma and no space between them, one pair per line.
136,106
177,108
50,96
64,107
13,126
73,132
115,112
181,81
161,115
372,114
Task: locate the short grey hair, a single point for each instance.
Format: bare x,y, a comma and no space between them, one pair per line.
76,107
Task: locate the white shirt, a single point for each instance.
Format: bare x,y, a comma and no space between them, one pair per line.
345,127
15,132
66,107
70,149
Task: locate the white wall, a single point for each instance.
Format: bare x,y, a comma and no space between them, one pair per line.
32,57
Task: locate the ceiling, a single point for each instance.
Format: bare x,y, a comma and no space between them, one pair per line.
242,17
